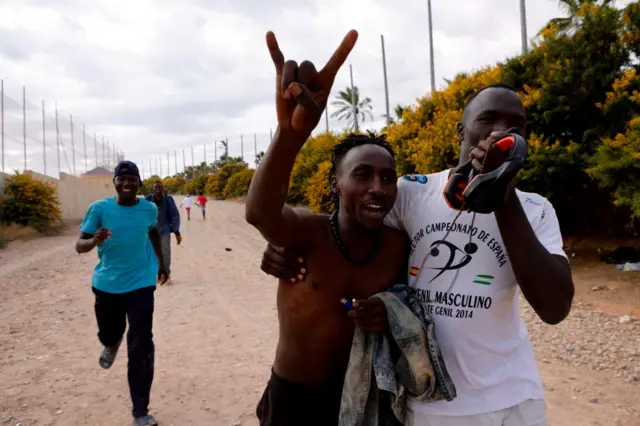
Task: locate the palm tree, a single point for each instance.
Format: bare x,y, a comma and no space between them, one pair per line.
569,23
345,106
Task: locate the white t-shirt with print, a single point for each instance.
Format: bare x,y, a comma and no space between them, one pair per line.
188,202
469,288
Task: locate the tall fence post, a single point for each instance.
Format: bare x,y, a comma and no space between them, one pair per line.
326,117
58,140
386,85
2,118
353,101
84,142
44,141
73,146
24,124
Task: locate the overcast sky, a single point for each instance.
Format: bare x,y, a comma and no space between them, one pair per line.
153,76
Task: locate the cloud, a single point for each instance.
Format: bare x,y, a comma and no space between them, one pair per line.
153,76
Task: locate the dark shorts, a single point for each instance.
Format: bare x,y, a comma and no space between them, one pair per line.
285,403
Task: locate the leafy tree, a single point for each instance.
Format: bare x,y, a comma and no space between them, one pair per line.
217,182
30,202
345,102
238,184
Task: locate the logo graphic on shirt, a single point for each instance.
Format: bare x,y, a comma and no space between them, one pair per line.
415,178
414,271
532,201
483,279
449,264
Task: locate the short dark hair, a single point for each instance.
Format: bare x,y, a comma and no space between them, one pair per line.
340,150
499,85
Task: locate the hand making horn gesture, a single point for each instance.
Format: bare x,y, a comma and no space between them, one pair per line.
301,91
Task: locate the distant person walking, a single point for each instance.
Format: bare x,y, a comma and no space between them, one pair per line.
168,220
202,202
187,202
124,280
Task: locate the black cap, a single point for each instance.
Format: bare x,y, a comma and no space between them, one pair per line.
127,168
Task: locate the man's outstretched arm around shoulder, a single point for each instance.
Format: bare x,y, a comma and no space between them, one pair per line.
301,96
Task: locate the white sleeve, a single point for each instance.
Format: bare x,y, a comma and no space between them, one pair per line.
548,230
395,217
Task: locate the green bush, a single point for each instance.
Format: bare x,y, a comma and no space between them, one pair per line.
238,184
30,202
318,190
196,185
218,181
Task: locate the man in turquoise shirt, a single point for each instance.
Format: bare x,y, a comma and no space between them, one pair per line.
124,280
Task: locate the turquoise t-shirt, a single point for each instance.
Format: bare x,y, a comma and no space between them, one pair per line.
126,260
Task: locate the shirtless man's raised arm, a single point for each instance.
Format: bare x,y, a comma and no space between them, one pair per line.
301,96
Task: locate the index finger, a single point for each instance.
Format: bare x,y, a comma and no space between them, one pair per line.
340,55
274,50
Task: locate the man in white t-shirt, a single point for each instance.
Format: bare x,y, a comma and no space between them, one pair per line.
469,269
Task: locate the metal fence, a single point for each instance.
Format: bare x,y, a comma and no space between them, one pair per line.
246,146
41,138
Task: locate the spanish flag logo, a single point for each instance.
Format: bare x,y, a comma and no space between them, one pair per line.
413,271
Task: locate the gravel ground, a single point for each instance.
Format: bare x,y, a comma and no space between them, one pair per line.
216,328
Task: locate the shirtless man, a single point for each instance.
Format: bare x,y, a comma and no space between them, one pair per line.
350,253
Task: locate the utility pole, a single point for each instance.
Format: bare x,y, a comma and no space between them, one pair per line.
95,147
175,160
523,26
431,57
73,145
168,167
386,85
353,101
2,118
24,124
57,139
84,143
44,141
241,147
184,163
193,163
255,149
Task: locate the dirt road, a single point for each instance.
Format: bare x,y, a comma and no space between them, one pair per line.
215,331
